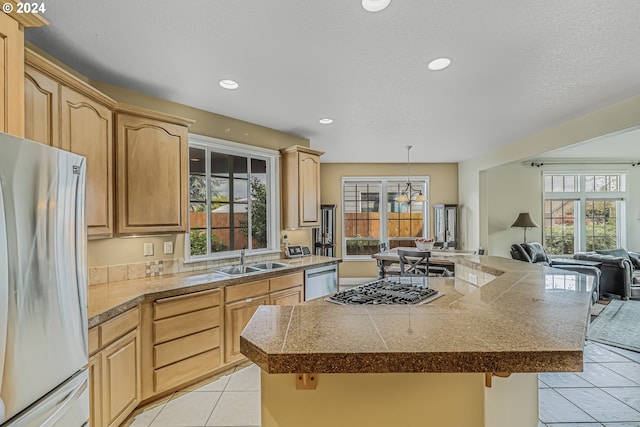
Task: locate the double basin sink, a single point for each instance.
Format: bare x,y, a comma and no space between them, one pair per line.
236,270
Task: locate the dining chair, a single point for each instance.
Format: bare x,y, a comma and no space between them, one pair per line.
414,263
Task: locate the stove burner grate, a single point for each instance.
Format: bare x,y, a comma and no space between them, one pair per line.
387,291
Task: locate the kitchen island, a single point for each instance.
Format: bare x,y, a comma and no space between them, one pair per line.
469,358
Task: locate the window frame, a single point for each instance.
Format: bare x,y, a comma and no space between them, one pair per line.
272,159
580,198
421,182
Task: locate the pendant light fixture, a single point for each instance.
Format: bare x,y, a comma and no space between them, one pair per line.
410,194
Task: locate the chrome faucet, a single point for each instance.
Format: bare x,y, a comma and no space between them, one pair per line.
242,257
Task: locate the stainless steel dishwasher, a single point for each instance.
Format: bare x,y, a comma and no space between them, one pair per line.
320,281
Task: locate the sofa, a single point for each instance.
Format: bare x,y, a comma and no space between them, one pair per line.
620,271
535,253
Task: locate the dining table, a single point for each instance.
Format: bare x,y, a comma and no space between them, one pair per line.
388,261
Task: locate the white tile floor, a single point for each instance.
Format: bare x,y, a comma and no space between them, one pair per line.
232,399
606,394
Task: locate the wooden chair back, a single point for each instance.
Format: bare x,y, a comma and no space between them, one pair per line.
414,263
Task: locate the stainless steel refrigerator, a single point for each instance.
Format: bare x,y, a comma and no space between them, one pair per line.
43,286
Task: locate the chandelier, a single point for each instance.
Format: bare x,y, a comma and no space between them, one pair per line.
410,194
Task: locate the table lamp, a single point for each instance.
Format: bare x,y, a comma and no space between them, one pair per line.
524,221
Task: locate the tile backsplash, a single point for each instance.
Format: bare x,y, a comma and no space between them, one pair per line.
117,273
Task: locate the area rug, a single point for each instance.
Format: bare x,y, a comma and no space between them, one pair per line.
617,325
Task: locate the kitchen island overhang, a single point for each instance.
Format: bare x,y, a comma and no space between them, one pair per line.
528,319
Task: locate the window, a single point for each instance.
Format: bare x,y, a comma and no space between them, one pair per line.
583,212
367,221
232,198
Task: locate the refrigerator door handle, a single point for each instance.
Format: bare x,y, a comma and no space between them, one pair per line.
69,400
4,296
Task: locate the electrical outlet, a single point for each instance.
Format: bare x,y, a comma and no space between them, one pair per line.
148,249
168,248
473,279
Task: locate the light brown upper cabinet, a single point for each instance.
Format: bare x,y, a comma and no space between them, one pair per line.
152,171
64,112
12,68
87,129
300,187
42,107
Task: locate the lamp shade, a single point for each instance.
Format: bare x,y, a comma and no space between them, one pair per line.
403,198
524,220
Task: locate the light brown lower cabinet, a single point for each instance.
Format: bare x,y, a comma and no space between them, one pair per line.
114,369
120,379
291,296
242,301
162,345
237,315
186,338
95,390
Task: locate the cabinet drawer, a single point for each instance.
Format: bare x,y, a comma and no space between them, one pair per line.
166,307
94,340
185,347
246,290
185,324
117,327
286,282
188,369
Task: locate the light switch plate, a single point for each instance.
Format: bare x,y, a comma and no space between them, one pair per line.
148,249
168,248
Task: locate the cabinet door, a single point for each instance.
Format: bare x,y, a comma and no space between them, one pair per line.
120,379
291,296
11,76
451,233
41,107
95,390
439,224
237,315
151,179
300,187
87,129
309,189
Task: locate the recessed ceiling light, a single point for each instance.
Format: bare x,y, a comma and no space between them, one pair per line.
375,5
228,84
439,64
326,121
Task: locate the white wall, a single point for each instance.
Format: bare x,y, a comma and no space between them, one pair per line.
512,189
633,210
475,196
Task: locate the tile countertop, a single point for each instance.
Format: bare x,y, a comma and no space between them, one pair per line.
528,319
110,299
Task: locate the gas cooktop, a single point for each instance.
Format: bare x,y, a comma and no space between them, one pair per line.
405,290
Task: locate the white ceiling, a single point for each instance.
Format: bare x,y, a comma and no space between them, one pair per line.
618,146
517,67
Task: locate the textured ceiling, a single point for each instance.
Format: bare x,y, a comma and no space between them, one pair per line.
517,66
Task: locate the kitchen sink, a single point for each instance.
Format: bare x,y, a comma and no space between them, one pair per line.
235,270
216,275
269,265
